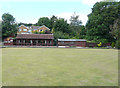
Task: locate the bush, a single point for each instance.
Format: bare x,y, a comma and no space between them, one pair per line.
113,44
117,45
102,40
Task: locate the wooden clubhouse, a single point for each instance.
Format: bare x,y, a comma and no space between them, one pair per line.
34,39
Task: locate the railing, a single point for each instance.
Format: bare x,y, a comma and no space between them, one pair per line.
34,44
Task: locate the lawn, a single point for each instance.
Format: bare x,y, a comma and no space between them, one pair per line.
59,67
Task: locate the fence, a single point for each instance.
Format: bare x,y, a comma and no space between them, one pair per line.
95,44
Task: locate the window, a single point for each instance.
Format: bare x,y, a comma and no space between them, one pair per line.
49,42
40,30
24,29
39,41
23,41
71,42
31,41
19,29
62,42
45,41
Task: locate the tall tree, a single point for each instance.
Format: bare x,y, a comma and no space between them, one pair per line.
76,27
115,29
8,25
102,16
0,31
61,25
45,21
60,28
53,20
75,20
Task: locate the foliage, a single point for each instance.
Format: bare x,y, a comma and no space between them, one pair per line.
117,45
61,25
44,21
113,44
77,30
60,35
30,24
36,32
75,20
0,30
9,28
103,15
42,32
115,28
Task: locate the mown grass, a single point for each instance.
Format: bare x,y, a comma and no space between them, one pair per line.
59,67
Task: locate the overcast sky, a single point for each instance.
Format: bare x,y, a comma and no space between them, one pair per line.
29,11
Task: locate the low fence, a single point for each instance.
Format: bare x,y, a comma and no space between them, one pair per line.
95,44
87,44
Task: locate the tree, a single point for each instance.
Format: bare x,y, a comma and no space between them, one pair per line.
102,16
30,24
61,25
0,31
76,27
53,20
8,25
75,20
45,21
115,28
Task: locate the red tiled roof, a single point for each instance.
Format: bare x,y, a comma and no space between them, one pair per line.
34,36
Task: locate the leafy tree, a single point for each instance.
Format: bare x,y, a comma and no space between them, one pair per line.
61,35
45,21
76,27
0,31
61,25
53,20
30,24
9,28
75,20
102,16
35,32
115,28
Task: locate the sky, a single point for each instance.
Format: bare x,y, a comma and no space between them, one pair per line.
29,11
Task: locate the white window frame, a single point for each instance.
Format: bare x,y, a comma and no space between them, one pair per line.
20,29
24,29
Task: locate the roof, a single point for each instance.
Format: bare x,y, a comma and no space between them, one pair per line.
34,36
38,27
44,26
35,27
71,40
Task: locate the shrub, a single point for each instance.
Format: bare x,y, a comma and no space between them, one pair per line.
113,44
117,45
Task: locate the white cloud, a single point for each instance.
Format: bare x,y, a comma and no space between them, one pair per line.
40,1
66,15
90,2
82,16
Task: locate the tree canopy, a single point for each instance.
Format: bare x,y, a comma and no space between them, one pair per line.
103,15
9,27
44,21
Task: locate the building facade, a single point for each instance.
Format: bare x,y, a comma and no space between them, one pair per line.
28,30
34,40
72,42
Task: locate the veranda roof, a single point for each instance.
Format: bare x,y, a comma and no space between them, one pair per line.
34,36
71,40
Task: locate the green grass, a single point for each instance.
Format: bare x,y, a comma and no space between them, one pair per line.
59,67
